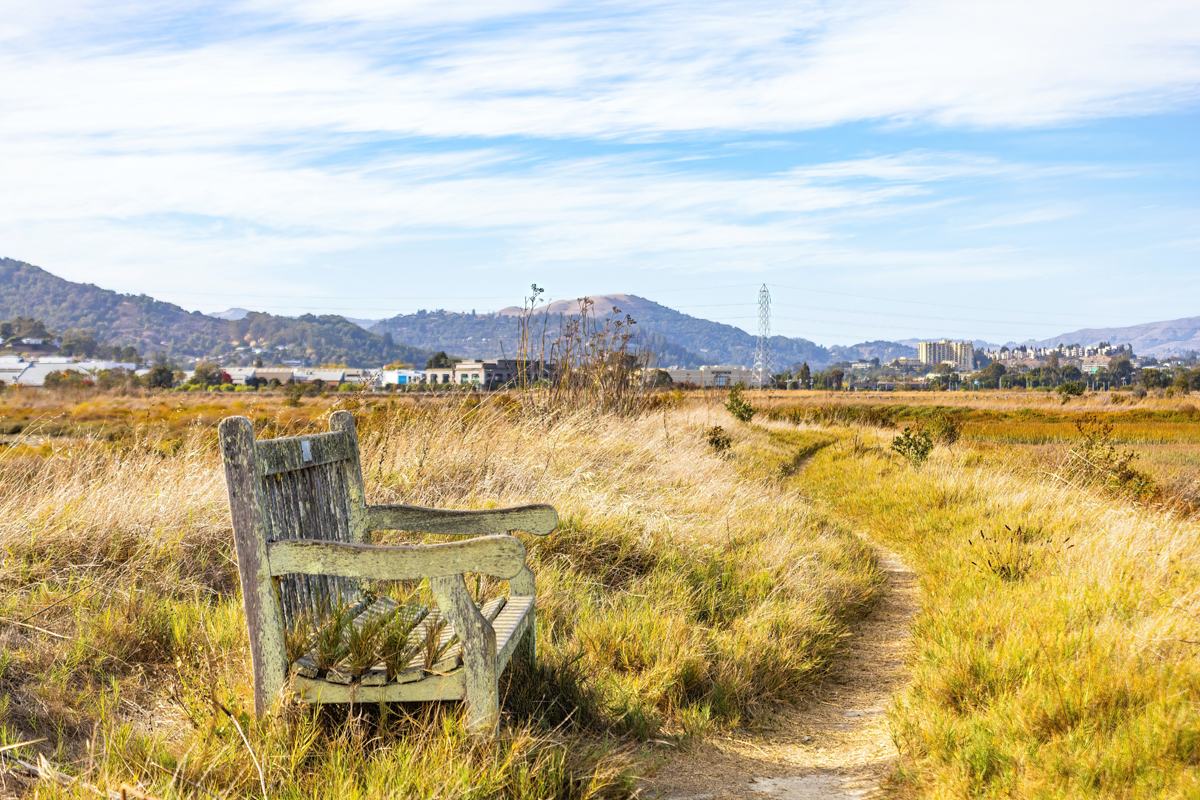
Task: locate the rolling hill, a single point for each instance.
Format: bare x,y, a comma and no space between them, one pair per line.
1148,339
677,338
151,325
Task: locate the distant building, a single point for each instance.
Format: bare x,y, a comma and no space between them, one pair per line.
241,375
18,371
716,376
489,374
331,377
960,354
401,377
268,374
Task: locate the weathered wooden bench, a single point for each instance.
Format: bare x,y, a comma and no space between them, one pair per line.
301,527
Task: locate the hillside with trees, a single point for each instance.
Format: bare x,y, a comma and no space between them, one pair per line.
82,310
676,338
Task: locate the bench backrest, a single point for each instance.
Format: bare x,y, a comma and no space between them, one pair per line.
303,487
310,487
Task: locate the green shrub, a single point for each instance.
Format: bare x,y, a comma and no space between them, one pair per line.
945,428
1070,389
914,444
718,439
737,405
1096,460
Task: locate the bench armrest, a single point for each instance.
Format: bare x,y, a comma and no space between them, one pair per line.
539,519
499,556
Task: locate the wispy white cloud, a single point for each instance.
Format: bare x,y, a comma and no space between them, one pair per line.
266,143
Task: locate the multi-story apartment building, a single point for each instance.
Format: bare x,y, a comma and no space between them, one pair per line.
960,354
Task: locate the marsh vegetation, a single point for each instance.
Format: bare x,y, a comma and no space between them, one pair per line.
704,574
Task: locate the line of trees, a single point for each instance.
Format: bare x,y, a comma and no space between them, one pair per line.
73,343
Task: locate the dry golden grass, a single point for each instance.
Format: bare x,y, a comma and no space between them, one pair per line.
1059,664
684,592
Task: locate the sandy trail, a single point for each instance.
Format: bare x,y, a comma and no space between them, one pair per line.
838,745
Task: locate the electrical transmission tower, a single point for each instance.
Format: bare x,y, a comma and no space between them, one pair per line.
762,356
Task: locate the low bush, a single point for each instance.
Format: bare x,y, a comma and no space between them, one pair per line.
737,405
945,428
1097,460
718,439
914,444
1014,554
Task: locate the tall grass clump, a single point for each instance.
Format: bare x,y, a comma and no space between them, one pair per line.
685,592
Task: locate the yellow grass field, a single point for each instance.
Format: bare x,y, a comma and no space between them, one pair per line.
686,592
689,592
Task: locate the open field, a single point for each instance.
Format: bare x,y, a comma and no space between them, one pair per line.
686,592
1056,654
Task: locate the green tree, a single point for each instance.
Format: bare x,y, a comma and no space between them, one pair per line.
440,360
161,377
1154,379
1121,369
989,377
79,343
805,375
208,373
835,377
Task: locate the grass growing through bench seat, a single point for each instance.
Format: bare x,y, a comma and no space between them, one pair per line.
687,591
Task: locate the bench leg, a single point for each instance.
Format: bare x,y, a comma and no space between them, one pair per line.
478,640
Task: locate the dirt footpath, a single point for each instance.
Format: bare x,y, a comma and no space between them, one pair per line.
837,746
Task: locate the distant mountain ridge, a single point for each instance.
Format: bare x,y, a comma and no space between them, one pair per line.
677,338
151,325
1148,339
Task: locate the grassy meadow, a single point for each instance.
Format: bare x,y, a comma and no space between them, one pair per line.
699,580
688,591
1057,652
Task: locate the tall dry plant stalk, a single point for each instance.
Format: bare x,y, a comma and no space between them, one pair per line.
589,360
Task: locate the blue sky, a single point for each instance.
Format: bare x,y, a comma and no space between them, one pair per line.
891,170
